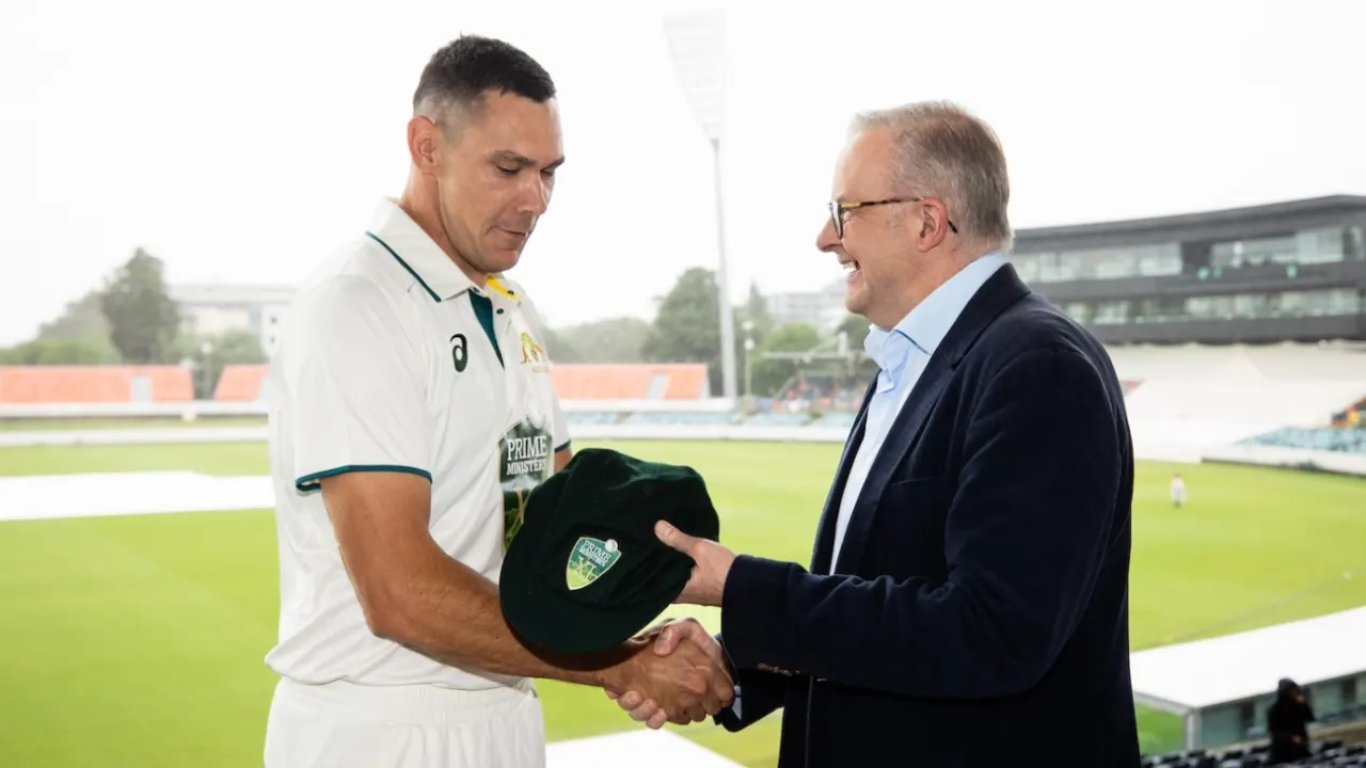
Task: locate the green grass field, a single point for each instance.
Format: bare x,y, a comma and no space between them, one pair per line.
138,641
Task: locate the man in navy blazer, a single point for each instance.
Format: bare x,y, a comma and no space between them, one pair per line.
967,598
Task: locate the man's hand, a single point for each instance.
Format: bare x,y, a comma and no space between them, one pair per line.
712,565
667,637
688,683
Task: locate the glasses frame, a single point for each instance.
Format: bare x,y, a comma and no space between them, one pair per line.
838,209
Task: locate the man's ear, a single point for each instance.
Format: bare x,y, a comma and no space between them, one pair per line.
934,224
424,137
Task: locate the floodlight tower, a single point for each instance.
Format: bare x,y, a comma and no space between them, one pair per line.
697,43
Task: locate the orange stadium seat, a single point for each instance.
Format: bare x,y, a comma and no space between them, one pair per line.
644,381
30,384
665,381
240,382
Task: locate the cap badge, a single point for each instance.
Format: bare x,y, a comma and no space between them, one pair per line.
589,560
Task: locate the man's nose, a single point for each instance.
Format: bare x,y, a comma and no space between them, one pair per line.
535,197
826,239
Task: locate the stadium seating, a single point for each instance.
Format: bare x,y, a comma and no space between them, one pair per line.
1328,753
1325,439
241,383
80,384
672,381
1353,415
1184,400
686,381
1263,404
1239,362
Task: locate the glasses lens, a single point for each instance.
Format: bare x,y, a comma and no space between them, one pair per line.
836,220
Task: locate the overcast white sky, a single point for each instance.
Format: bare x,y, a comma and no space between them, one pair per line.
240,142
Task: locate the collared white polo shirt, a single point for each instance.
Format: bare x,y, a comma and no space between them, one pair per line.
390,358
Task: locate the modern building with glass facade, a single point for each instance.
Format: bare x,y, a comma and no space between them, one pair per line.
1289,271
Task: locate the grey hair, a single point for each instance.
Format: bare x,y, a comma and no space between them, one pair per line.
944,151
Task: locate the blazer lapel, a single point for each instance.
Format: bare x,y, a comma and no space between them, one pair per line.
1000,291
825,530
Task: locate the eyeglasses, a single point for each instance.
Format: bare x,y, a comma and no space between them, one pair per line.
838,209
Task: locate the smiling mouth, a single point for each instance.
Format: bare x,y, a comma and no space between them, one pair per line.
850,267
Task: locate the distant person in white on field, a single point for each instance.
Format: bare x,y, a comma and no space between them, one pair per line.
1178,490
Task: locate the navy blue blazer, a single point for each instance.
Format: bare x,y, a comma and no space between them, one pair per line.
978,615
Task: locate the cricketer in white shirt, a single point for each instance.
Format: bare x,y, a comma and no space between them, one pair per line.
392,359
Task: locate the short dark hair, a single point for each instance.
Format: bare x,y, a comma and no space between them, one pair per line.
469,66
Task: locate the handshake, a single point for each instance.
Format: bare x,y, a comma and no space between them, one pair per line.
602,549
676,673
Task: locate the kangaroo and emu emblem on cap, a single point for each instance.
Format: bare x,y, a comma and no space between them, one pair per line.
589,560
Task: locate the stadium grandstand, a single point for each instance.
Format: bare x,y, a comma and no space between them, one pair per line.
108,384
1288,403
640,384
1328,753
1288,271
242,384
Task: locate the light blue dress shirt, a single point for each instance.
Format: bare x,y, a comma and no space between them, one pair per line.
902,353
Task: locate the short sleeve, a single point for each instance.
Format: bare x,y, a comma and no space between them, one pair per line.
356,388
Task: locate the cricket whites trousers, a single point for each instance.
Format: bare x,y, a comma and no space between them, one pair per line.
343,725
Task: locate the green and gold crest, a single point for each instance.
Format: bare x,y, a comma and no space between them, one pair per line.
589,560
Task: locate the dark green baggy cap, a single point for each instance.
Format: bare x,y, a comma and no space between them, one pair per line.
586,571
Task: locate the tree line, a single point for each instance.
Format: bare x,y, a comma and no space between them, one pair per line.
131,319
687,329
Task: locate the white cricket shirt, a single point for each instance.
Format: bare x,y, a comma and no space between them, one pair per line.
390,358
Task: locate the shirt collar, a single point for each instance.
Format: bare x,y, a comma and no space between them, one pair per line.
415,250
926,325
